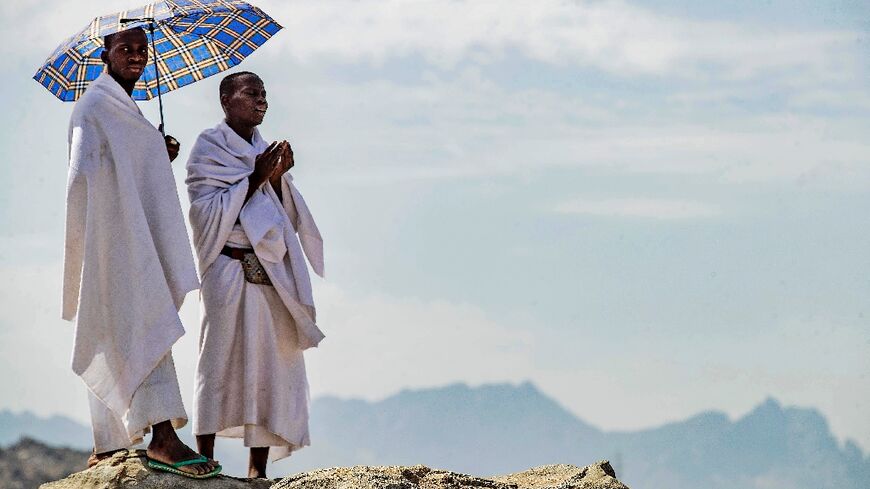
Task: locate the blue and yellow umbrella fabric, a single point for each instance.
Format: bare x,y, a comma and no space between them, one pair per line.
190,40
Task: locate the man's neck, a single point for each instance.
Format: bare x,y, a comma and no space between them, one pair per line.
125,84
244,132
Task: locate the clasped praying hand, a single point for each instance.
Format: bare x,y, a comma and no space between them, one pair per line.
271,165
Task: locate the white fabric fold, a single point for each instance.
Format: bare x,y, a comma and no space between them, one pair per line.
303,222
264,223
250,375
127,263
218,169
157,399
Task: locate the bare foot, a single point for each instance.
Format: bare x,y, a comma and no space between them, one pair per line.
167,448
96,458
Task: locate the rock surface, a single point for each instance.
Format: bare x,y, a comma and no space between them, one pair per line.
129,470
595,476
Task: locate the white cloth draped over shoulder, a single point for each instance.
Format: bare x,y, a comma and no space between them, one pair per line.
250,377
218,169
127,263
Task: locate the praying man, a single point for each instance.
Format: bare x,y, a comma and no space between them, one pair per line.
127,266
252,232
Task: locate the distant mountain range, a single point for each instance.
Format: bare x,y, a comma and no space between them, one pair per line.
57,430
496,429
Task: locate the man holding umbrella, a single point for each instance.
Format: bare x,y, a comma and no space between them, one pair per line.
127,266
128,263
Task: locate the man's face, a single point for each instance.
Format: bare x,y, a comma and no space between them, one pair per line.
246,105
127,54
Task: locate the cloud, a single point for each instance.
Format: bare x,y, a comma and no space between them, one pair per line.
639,208
377,344
467,125
35,344
613,36
679,105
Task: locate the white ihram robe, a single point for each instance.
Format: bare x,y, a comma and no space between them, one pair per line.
250,378
127,266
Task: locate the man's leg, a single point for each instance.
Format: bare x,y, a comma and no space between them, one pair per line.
257,462
205,445
157,404
110,434
166,447
259,439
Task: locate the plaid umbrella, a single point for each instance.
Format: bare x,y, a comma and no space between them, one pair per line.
192,39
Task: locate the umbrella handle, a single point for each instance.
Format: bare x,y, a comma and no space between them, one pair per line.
157,71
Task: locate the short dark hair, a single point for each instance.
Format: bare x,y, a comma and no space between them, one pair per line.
228,84
107,39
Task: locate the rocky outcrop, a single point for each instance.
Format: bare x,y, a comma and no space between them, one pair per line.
129,470
596,476
28,463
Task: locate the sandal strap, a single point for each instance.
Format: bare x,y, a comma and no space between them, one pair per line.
193,461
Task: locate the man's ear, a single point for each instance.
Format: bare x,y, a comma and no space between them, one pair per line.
105,56
224,99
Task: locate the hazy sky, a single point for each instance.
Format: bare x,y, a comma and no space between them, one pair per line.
647,208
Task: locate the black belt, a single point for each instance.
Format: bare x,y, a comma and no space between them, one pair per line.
236,253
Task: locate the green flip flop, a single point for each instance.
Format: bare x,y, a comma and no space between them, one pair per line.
174,468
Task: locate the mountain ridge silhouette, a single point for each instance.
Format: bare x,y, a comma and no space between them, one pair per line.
501,428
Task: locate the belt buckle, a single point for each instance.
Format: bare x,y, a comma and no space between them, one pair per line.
254,271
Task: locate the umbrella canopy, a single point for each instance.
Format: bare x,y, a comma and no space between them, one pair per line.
188,40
